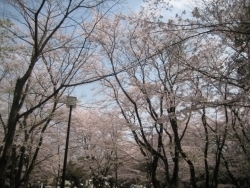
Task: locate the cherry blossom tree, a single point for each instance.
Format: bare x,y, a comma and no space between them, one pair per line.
147,92
97,141
53,36
173,66
180,86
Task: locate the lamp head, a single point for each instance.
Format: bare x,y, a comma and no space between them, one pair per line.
71,101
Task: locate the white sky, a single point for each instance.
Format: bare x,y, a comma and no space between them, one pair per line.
178,5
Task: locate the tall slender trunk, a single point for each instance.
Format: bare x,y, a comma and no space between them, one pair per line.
178,145
206,149
220,145
154,165
175,177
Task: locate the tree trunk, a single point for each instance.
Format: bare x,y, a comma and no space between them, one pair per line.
154,165
20,166
178,145
8,140
206,149
175,177
3,169
11,128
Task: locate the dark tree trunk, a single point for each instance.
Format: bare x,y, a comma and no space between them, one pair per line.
13,167
11,128
220,144
3,162
175,177
178,145
206,149
154,165
20,166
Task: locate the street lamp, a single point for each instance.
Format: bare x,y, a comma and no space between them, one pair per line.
71,103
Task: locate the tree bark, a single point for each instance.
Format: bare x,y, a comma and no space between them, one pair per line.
206,149
154,165
11,127
178,145
175,177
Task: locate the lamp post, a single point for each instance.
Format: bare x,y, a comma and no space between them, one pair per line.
71,103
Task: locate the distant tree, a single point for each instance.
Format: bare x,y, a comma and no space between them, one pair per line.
74,174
